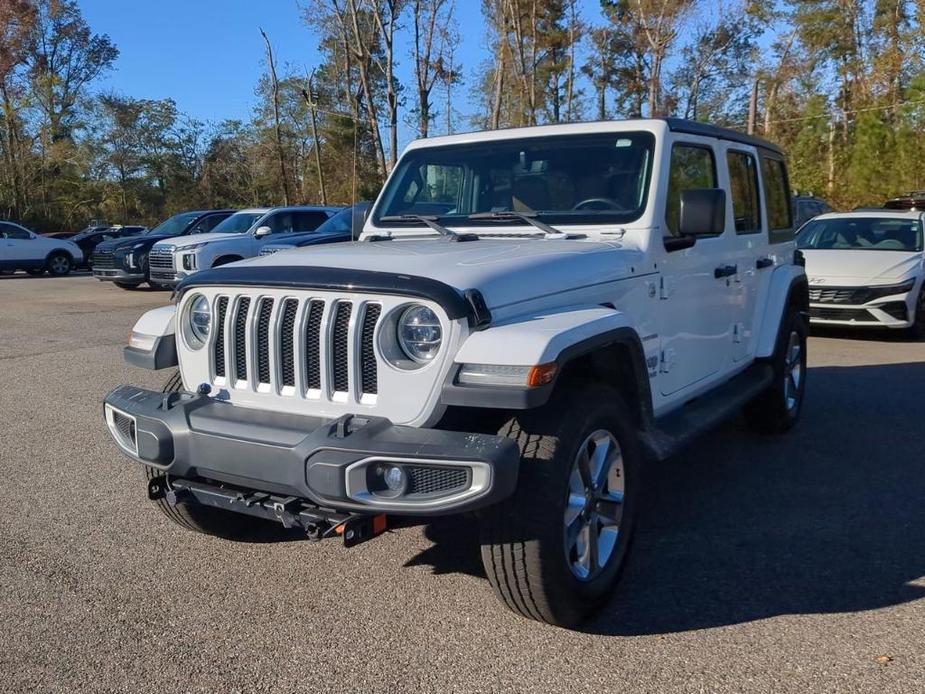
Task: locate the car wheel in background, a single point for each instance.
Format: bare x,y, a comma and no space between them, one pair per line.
127,285
59,264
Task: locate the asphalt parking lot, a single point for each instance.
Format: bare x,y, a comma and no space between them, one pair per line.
789,564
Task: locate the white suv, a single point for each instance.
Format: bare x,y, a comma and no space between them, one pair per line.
865,269
21,249
531,317
238,237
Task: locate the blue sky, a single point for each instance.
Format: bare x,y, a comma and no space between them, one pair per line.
208,54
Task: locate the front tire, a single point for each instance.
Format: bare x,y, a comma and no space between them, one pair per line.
554,551
127,285
917,329
778,408
59,264
206,519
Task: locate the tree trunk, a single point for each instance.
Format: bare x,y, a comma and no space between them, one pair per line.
274,83
310,100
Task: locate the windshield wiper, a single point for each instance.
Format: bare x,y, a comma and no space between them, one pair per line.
528,217
429,220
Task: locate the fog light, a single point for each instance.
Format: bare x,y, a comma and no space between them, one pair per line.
394,477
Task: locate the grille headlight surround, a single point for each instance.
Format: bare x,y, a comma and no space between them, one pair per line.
419,333
197,321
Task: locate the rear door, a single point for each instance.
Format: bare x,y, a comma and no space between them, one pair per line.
695,309
749,239
17,244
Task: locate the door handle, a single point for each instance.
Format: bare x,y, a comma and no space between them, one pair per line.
762,263
725,271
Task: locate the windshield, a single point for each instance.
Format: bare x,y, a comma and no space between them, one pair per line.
176,225
575,179
339,222
862,234
237,223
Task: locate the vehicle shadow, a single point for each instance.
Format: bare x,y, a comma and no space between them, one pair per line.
826,519
863,334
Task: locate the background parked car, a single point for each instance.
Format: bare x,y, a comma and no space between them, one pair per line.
805,207
88,240
335,230
21,249
125,261
238,237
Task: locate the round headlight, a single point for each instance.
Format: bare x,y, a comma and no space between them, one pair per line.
420,334
200,321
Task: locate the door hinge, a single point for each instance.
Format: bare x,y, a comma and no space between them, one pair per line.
667,360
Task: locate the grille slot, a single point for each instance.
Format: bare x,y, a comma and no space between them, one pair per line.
263,340
423,481
369,371
339,359
240,339
220,337
286,342
313,345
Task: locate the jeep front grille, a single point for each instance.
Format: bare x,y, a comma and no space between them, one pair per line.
262,338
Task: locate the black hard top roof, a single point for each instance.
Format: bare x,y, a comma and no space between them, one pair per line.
680,125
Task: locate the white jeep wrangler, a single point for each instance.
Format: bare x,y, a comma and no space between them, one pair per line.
529,318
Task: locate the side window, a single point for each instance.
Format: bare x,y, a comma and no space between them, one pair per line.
11,231
280,223
692,167
210,222
743,182
777,195
309,221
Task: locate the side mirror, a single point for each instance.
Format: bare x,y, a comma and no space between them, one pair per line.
263,231
703,212
360,213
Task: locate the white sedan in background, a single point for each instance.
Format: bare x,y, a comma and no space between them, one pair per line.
865,269
21,249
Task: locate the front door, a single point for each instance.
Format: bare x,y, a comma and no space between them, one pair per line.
17,245
695,309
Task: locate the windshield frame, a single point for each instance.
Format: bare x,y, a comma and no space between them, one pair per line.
919,246
558,218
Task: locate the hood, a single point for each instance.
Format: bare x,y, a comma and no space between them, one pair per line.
309,238
194,239
505,271
855,267
129,241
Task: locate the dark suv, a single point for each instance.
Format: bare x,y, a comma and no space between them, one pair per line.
805,207
89,239
125,261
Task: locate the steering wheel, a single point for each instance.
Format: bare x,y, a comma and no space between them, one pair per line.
599,204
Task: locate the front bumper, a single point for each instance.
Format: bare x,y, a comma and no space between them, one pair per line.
892,314
332,464
118,275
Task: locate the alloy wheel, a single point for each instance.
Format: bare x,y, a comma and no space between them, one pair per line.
594,507
793,371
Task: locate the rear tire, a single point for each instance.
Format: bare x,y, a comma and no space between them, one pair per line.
778,408
59,264
554,551
206,519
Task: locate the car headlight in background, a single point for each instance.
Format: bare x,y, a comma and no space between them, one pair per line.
878,292
419,333
192,247
198,321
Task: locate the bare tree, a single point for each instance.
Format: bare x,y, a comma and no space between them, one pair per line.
278,132
386,14
309,96
432,19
